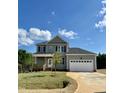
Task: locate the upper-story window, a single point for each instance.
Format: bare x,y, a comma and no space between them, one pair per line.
60,48
44,49
56,48
64,48
41,49
38,48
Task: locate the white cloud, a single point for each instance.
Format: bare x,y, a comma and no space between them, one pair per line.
103,2
53,12
67,34
101,24
23,38
37,34
102,11
34,34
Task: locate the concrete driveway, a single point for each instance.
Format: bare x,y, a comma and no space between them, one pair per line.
89,82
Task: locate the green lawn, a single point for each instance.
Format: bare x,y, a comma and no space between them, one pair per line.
43,80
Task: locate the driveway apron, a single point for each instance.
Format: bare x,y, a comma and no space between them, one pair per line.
89,82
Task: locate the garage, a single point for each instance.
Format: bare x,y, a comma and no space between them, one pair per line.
81,60
81,65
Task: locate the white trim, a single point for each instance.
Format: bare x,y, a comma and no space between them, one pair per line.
35,61
95,64
60,49
43,55
81,54
67,63
81,60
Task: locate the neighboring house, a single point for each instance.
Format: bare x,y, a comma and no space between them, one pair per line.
73,59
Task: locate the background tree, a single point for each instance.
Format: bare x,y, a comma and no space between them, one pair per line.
56,59
25,61
101,61
21,59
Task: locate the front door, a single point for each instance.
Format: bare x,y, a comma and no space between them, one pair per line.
50,63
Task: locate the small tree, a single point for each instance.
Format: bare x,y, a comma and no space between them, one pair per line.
56,59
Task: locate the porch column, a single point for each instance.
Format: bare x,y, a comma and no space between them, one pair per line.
35,60
95,64
67,63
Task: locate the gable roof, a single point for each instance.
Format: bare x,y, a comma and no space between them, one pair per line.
57,39
79,51
42,43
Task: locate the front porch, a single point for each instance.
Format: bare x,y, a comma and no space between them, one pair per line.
45,62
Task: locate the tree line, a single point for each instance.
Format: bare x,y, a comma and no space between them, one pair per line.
25,61
101,61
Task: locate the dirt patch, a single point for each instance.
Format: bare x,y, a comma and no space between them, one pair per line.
103,71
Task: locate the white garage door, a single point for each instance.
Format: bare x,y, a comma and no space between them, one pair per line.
81,65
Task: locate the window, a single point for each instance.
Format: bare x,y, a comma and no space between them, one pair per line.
64,48
38,48
44,49
56,48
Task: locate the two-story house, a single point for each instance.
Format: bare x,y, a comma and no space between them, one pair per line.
73,59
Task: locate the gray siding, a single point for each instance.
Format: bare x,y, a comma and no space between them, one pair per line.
78,57
62,66
51,48
40,61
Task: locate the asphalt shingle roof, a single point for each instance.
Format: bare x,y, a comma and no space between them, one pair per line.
42,43
57,39
79,51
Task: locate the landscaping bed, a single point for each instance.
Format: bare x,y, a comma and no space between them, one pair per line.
44,80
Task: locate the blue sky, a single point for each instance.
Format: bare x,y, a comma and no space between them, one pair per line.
80,22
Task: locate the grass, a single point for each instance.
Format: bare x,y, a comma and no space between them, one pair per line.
43,80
